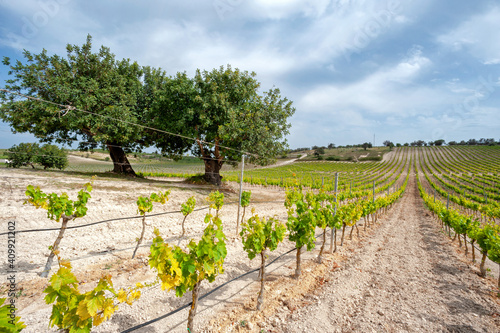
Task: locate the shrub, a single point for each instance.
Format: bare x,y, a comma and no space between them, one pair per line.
52,156
23,154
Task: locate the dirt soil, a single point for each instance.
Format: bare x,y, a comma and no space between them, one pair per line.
400,275
407,278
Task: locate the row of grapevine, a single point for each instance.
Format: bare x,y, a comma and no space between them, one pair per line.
486,235
183,269
490,210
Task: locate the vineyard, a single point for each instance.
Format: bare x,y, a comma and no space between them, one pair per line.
161,255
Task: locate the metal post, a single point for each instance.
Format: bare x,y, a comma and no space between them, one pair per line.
322,181
241,186
448,202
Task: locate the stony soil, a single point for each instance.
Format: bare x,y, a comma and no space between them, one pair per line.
407,278
400,275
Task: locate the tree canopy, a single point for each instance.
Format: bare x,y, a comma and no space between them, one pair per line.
94,82
223,110
217,115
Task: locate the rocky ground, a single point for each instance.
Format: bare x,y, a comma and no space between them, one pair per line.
406,278
400,275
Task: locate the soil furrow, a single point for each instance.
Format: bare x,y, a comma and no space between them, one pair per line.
406,278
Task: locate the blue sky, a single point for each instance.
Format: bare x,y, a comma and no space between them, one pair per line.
402,70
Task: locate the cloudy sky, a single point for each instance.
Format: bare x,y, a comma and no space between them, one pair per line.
401,70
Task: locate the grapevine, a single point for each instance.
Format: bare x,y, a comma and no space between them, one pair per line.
301,223
58,207
186,209
76,312
257,236
8,321
145,205
182,270
245,201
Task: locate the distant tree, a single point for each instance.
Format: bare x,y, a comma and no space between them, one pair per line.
486,142
462,143
452,143
418,143
23,154
406,144
319,151
366,145
389,144
331,145
398,145
439,142
472,142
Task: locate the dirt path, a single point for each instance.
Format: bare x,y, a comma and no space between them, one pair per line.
406,278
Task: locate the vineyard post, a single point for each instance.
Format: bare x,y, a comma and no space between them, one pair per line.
241,188
322,181
485,197
334,211
350,188
434,195
448,202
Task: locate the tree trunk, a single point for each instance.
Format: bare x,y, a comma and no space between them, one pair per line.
142,235
238,221
320,259
212,169
482,269
260,299
465,244
50,259
120,160
194,306
343,232
498,284
298,270
335,241
183,230
473,251
350,234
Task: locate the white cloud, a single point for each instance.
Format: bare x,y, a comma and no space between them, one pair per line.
478,36
387,91
280,9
